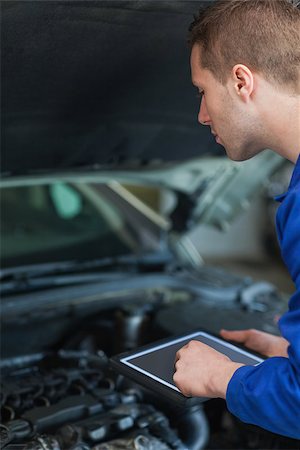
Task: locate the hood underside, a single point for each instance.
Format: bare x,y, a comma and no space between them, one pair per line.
89,84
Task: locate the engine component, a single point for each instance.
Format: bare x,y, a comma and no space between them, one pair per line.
131,323
68,401
180,319
140,442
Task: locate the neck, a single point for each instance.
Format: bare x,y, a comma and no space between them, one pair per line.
282,123
286,138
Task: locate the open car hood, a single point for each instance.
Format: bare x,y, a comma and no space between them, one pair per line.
89,84
101,89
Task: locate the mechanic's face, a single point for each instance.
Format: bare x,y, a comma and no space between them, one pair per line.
231,120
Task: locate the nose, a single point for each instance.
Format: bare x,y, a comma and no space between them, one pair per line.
203,116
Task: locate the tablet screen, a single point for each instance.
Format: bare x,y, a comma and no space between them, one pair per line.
158,361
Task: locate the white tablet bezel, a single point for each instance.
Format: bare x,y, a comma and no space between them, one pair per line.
126,360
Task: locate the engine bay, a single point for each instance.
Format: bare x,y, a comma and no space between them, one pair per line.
68,397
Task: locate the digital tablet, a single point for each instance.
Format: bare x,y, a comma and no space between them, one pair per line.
153,365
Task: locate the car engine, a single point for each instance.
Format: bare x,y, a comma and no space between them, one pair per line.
70,398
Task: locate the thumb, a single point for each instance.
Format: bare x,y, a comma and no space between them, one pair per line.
236,335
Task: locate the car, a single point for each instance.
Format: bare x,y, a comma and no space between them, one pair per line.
104,174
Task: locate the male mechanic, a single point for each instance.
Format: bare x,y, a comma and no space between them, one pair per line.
245,63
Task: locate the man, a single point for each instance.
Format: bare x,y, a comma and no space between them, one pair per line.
245,63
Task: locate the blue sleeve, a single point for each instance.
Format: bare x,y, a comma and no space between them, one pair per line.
268,395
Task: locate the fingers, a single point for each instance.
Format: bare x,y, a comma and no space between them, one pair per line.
236,335
177,356
179,353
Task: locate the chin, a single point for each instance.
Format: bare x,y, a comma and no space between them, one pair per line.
241,154
240,158
235,156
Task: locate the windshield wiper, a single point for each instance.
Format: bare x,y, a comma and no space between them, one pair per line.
75,266
48,275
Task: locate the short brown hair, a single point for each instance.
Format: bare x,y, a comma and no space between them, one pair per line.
262,34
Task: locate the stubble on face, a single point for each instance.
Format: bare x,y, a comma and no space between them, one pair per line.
240,133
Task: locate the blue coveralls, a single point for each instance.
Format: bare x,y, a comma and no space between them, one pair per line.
268,395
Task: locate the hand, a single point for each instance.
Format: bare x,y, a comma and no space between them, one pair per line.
201,371
259,341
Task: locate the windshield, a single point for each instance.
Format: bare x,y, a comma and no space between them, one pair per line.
66,221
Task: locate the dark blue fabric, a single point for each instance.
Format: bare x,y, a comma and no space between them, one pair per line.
268,395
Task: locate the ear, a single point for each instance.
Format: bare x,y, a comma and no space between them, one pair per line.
243,81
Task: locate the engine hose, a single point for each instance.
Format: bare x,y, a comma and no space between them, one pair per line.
193,427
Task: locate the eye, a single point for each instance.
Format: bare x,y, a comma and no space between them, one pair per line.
200,94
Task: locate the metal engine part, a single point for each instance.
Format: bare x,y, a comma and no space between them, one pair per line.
70,400
140,442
